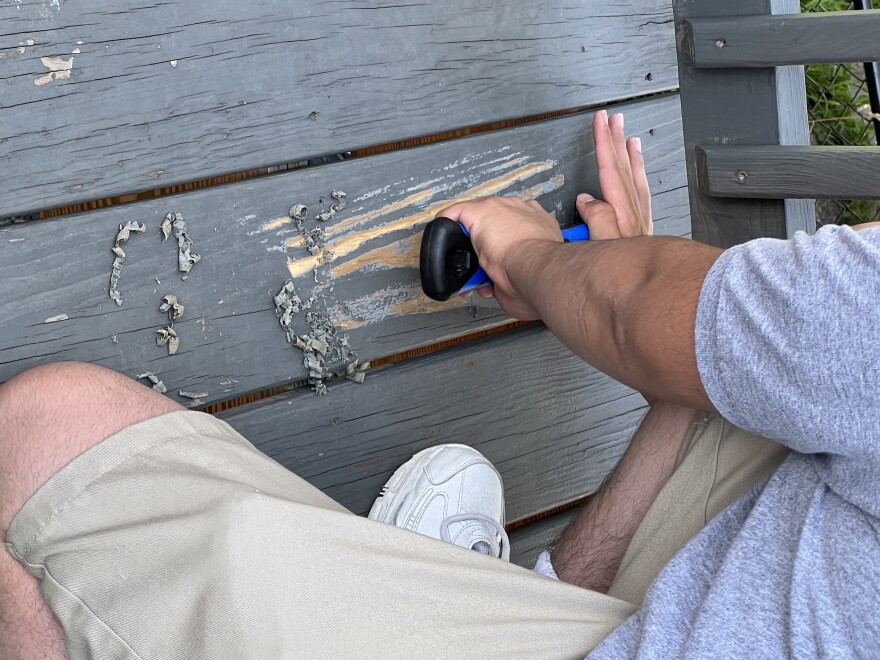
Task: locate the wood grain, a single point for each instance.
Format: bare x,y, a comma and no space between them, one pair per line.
552,425
98,101
231,342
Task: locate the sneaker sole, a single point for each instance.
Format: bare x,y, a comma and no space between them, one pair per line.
386,506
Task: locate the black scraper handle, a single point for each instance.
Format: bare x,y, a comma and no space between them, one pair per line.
448,263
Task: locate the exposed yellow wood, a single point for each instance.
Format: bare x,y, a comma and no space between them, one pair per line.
346,245
395,301
412,200
405,253
275,224
419,303
400,254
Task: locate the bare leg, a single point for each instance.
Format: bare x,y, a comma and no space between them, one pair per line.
591,549
49,416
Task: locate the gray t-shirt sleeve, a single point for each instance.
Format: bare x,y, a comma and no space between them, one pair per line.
788,345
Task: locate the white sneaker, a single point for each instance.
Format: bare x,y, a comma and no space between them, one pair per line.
451,493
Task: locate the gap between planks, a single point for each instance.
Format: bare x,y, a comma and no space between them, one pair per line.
394,358
357,153
548,513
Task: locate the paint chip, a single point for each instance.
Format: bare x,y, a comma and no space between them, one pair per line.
172,307
168,335
122,237
322,344
193,395
55,319
185,258
173,64
158,385
59,69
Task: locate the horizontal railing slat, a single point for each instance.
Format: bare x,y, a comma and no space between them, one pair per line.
99,101
230,340
767,41
786,172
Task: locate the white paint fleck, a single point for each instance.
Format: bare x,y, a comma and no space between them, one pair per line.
29,42
79,43
373,193
76,51
59,69
20,50
173,64
17,240
55,319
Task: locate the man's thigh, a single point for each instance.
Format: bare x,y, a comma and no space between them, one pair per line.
177,538
717,464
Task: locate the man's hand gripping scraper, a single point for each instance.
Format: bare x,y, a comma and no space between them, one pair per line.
448,263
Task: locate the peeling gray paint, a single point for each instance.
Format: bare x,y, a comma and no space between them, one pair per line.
158,385
122,237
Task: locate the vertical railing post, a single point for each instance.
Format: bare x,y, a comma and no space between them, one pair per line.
872,78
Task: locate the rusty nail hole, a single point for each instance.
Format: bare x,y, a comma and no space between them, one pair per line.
742,176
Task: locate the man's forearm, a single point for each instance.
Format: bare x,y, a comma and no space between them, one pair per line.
626,306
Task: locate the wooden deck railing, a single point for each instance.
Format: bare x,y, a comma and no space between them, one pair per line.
744,112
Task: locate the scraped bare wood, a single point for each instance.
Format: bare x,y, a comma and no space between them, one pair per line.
230,340
100,101
553,426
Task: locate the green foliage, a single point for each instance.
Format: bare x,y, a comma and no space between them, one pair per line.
837,102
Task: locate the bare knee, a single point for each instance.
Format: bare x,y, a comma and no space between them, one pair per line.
53,413
49,416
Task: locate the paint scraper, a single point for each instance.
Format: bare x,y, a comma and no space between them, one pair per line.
448,263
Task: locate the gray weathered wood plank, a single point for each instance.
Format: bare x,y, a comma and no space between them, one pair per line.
526,543
231,342
97,101
552,425
779,172
787,39
737,107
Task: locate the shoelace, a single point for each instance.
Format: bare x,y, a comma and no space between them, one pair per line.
478,517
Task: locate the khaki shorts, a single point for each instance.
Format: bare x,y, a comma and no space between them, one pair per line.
176,538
